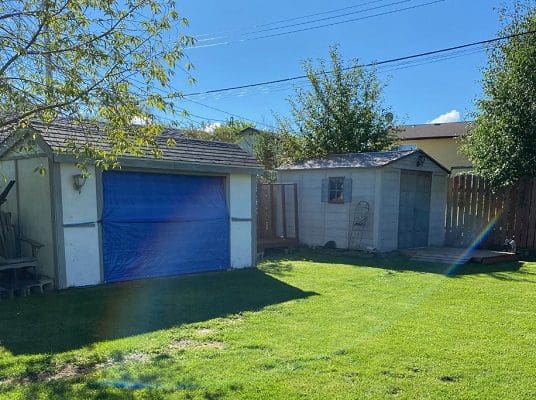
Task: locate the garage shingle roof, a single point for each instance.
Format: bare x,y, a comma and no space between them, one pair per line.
351,160
59,135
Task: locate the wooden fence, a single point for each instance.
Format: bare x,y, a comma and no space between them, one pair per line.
475,214
277,215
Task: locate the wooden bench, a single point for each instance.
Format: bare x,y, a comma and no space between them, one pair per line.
22,270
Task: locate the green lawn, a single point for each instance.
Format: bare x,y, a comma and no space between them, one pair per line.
310,327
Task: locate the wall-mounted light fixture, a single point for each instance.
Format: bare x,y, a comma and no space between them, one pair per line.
79,181
421,160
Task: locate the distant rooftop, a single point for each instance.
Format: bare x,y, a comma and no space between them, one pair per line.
351,160
432,131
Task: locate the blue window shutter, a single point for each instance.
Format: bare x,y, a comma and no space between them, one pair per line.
347,190
325,190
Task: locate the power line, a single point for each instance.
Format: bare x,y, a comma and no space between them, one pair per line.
289,19
371,64
282,87
320,26
231,114
314,20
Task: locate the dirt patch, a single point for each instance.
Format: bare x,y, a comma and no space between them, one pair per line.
204,332
72,371
185,344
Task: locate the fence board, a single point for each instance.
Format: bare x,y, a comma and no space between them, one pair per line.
472,206
531,235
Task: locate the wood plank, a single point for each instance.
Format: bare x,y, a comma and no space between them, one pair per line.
522,214
473,229
448,223
273,213
531,230
498,216
511,205
456,210
480,213
284,210
467,210
296,213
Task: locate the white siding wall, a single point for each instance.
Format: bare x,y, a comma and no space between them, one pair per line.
321,222
82,248
364,188
30,204
241,220
35,213
8,173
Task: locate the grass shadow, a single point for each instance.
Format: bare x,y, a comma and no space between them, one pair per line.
390,262
71,319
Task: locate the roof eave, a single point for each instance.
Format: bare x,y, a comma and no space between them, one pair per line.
160,164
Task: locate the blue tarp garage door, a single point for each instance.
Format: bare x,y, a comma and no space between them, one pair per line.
163,225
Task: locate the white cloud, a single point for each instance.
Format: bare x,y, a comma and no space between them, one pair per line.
451,116
140,121
210,127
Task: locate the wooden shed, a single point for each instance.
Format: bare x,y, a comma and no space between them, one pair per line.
381,200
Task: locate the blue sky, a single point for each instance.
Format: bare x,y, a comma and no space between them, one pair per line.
418,94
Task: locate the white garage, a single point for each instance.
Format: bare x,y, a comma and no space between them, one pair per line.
190,211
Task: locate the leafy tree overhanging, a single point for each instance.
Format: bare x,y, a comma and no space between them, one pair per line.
502,144
92,61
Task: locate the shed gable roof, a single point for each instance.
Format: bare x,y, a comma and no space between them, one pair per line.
376,159
59,135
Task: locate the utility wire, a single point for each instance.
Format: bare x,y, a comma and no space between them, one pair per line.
231,114
320,26
288,19
312,21
282,87
371,64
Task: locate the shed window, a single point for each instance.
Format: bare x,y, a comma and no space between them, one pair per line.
336,190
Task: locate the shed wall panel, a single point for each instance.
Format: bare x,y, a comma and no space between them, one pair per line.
438,207
389,203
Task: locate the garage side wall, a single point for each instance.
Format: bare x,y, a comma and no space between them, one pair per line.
242,224
80,229
30,204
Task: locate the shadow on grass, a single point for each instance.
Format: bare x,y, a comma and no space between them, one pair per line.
280,265
72,319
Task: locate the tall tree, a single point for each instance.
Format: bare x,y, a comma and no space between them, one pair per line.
343,110
91,61
502,144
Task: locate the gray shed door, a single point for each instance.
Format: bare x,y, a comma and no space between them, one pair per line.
414,212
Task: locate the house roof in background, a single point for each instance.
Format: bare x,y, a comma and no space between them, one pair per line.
60,135
433,131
